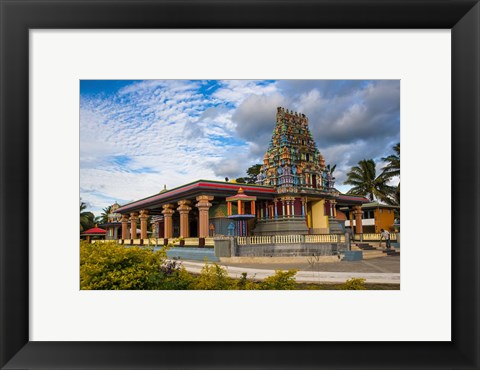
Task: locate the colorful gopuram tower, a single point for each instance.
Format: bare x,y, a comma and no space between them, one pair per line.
294,166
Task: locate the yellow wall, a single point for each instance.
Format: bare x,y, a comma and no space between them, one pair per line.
384,219
319,220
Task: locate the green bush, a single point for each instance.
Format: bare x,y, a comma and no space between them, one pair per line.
354,284
244,284
112,266
282,280
214,277
175,277
109,266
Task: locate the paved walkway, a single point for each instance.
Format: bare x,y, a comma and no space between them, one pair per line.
384,270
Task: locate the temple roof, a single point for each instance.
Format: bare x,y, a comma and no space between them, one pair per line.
378,205
241,196
199,187
94,231
349,199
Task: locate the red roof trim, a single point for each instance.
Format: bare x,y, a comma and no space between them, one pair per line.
348,197
201,184
95,230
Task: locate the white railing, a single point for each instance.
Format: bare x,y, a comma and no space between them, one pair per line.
374,237
262,239
243,240
325,238
290,239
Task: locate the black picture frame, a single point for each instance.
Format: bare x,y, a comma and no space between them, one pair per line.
17,17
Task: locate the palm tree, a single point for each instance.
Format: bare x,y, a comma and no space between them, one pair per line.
103,218
392,169
394,198
366,183
87,219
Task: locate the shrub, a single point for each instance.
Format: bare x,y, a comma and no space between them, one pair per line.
112,266
175,277
214,277
244,284
354,284
282,280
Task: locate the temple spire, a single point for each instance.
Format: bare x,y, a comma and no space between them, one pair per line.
292,161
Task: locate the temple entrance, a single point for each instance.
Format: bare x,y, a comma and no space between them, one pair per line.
193,223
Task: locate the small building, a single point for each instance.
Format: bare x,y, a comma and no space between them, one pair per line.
375,216
94,233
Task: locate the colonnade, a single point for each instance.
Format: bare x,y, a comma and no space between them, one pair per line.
184,207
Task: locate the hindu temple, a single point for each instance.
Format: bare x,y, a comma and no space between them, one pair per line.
294,195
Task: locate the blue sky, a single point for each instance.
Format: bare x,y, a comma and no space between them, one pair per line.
137,136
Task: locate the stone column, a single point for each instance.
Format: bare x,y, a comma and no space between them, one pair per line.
167,219
124,226
358,219
143,223
184,208
252,206
133,225
275,207
203,206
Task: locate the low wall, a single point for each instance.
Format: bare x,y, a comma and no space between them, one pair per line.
280,246
266,260
283,250
195,254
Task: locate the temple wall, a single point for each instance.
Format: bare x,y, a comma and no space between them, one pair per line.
279,250
318,218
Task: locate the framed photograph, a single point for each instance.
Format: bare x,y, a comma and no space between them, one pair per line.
430,48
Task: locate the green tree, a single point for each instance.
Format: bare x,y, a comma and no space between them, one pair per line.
87,219
392,169
251,177
103,218
252,172
366,183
